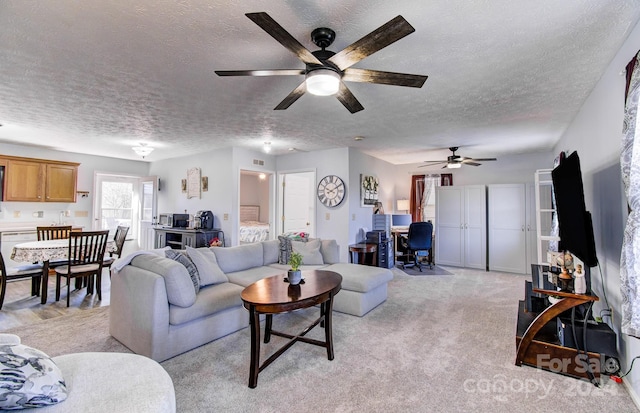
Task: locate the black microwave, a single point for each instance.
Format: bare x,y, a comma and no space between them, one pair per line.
173,220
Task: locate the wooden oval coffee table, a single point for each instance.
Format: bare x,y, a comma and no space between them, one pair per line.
273,295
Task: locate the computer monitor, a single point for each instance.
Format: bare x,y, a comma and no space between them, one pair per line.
400,220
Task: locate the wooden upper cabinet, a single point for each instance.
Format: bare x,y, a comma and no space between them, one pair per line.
60,183
39,180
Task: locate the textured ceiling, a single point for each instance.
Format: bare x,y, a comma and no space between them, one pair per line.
97,77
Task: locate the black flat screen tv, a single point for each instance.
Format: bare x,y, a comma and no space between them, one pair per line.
574,221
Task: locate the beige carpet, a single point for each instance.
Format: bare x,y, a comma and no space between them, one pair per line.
438,344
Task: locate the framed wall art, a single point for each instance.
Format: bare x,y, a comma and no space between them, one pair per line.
193,183
368,190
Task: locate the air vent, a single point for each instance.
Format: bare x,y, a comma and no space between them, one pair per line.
258,162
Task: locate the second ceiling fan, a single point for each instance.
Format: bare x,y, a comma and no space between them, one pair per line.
326,71
456,161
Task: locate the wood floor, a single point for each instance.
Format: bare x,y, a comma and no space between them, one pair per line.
20,308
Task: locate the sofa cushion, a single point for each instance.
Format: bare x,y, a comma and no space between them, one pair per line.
330,251
285,244
180,290
210,300
184,259
248,277
207,265
29,378
271,251
361,278
239,258
310,251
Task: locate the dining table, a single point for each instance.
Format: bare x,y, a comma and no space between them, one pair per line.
44,252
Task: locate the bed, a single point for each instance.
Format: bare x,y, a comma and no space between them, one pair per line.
251,229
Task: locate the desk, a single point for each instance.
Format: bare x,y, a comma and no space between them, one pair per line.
358,253
44,251
272,295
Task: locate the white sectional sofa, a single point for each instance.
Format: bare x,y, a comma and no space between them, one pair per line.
157,310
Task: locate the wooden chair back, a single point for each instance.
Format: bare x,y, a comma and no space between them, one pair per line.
53,232
87,247
119,238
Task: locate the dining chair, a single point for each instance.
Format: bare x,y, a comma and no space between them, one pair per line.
33,271
53,232
86,253
119,238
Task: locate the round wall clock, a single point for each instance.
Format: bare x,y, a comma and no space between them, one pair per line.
331,191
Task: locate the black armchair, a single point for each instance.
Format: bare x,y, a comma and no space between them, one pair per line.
418,244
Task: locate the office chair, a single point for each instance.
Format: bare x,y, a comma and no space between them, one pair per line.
418,243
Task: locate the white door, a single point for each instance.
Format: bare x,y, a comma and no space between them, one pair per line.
298,202
148,187
475,227
507,228
449,248
129,201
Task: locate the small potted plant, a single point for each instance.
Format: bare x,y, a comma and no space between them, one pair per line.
294,274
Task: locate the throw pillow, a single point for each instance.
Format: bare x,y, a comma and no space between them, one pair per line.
188,264
330,251
285,244
207,265
310,251
29,378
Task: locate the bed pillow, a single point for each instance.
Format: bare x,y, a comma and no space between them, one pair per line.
207,265
29,378
184,259
310,251
285,244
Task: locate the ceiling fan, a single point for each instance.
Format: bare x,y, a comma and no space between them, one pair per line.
326,71
456,161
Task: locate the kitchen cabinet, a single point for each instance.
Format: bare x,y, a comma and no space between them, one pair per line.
39,180
461,226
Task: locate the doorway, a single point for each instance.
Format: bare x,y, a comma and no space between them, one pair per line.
256,207
297,202
129,201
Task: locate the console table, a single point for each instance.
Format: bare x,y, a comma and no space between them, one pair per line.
180,238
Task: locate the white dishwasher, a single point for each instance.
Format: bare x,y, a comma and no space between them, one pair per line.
10,238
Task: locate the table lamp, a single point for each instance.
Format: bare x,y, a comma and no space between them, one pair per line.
402,205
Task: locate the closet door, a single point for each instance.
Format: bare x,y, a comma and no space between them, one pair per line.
475,227
449,238
507,228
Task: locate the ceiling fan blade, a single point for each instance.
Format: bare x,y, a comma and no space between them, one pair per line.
278,72
483,159
276,31
292,97
390,32
467,162
384,78
431,163
349,101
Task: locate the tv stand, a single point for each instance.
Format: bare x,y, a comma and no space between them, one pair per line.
544,351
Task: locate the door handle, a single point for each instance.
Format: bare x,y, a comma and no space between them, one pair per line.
523,228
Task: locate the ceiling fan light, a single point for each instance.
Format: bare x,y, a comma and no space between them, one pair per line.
454,165
323,82
142,150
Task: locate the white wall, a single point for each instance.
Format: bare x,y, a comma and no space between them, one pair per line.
361,164
89,164
596,134
331,223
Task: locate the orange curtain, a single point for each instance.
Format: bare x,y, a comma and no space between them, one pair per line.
415,199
